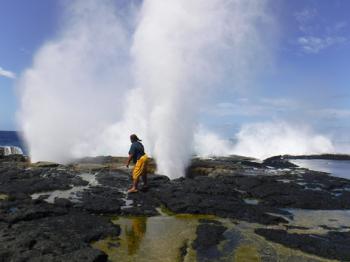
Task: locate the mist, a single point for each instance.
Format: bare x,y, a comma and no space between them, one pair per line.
146,68
265,139
76,85
182,51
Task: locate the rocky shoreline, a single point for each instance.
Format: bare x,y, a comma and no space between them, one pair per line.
322,156
51,212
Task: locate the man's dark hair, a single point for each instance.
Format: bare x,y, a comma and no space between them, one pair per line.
134,138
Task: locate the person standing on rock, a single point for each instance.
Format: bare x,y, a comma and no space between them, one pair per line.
140,159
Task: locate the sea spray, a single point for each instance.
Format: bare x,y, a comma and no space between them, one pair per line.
114,71
265,139
77,84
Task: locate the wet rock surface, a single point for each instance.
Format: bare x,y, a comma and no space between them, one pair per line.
217,196
55,238
15,180
101,200
278,162
333,245
93,188
208,236
34,230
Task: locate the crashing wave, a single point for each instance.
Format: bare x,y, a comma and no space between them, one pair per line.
10,150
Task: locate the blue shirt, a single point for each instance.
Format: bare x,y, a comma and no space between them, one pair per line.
137,151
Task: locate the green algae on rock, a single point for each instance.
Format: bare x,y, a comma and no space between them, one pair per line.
3,196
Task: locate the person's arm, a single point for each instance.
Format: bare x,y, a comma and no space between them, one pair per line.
131,154
129,160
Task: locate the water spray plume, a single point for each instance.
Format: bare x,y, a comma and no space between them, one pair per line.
75,87
111,73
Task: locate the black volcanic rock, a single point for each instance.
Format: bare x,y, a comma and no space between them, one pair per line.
232,187
15,211
59,238
116,179
208,235
278,162
12,158
101,200
146,201
18,180
333,245
206,195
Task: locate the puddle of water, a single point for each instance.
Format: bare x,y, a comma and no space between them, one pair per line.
127,203
150,239
253,247
339,191
169,238
251,201
286,181
90,178
313,219
313,188
71,194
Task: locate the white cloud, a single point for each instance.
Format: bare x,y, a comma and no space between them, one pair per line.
237,108
318,34
246,107
279,102
305,15
332,113
305,18
7,73
313,45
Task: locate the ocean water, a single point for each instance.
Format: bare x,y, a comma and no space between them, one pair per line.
338,168
12,138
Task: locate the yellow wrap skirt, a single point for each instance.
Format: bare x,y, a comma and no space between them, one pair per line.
140,167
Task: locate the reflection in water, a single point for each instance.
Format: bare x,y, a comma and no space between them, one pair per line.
135,233
162,238
170,238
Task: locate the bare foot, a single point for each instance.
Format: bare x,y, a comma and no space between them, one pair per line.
133,190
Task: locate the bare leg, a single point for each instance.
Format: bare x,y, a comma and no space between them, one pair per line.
135,183
144,179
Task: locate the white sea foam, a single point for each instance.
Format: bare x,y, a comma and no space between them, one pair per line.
11,150
265,139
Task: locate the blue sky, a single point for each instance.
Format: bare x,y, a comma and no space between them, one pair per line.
309,80
25,25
